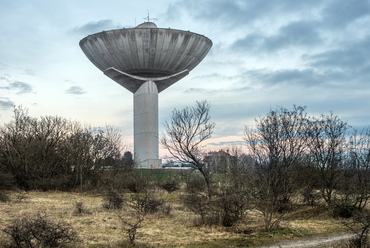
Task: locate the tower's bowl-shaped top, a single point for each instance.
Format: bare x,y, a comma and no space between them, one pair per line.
146,51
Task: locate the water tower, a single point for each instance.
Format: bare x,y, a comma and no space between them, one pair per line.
146,60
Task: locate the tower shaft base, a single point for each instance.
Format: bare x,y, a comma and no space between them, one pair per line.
150,164
146,126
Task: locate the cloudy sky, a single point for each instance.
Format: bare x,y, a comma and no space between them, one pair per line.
265,53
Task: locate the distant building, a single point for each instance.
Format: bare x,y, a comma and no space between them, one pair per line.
176,165
219,162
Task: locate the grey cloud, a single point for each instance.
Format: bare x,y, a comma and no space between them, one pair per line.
6,104
217,91
351,58
18,86
364,72
29,72
213,76
214,11
300,34
4,79
343,12
249,42
204,91
21,87
339,59
219,77
294,5
94,27
75,90
315,17
195,90
237,13
305,77
221,10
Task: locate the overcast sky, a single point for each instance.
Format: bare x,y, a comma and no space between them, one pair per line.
265,53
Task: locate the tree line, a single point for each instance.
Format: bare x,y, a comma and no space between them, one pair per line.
291,157
53,153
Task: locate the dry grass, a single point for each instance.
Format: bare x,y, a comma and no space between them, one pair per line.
98,227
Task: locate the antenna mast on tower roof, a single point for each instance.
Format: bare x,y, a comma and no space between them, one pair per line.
150,19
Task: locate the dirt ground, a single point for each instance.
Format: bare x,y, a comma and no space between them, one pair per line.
328,241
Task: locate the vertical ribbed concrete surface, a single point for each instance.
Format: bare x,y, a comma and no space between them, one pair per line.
146,126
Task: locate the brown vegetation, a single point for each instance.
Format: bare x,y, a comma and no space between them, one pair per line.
98,227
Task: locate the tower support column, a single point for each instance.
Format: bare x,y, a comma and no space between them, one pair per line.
146,126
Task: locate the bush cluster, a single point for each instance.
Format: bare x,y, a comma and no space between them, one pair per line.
151,204
4,197
39,231
170,186
113,200
51,153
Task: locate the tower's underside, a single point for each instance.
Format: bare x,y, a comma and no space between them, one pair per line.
146,60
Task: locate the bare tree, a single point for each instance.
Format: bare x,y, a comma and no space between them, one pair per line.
133,215
359,157
92,151
16,142
276,144
185,132
353,192
327,137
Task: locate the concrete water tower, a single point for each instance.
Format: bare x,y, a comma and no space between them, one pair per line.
146,60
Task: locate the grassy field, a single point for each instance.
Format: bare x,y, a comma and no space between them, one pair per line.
99,227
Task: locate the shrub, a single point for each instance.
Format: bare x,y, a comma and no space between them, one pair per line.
136,183
310,196
151,204
198,204
343,211
80,208
6,180
343,207
116,179
170,186
132,222
22,196
195,184
4,197
39,231
113,200
225,208
231,208
166,209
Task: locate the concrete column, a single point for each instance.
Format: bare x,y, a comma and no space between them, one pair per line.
146,126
